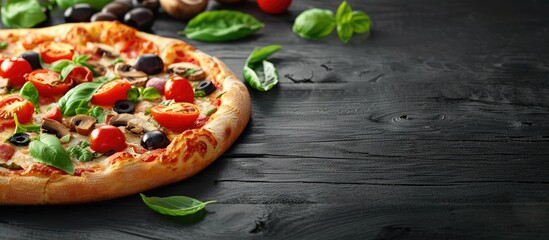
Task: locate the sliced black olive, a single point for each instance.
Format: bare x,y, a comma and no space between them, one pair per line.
140,18
81,12
20,139
150,64
103,16
119,9
206,86
153,5
124,106
33,58
154,140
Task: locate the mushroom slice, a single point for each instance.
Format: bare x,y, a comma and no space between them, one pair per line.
83,124
127,72
55,127
140,126
187,70
121,119
105,50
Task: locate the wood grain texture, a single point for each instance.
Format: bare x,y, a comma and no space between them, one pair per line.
434,127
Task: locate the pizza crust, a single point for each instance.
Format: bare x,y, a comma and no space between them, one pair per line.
189,153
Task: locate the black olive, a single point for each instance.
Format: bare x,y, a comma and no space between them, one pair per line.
153,5
127,2
154,139
81,12
118,9
124,106
33,58
206,86
103,16
150,64
20,139
140,18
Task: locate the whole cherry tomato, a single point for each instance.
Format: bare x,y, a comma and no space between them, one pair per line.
15,105
80,74
52,51
274,6
107,138
54,114
179,89
14,69
111,92
47,82
177,117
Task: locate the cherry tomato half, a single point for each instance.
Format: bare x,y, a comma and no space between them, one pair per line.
177,117
47,82
15,105
52,51
80,74
179,89
14,69
111,92
274,6
107,138
54,114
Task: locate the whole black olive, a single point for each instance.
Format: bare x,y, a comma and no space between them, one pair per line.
140,18
127,2
150,64
153,5
81,12
206,86
154,140
124,106
103,16
33,58
20,139
117,8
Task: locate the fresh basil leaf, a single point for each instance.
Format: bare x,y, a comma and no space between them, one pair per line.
77,97
29,92
84,144
58,66
261,75
48,150
84,155
221,26
80,58
258,55
81,111
133,94
360,22
174,205
345,32
314,24
97,4
22,13
66,71
3,45
97,112
199,93
151,93
65,139
24,128
344,13
73,151
118,60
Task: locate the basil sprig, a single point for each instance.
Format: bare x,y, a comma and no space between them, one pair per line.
174,205
48,150
22,13
221,26
80,152
137,94
95,111
64,67
260,73
78,97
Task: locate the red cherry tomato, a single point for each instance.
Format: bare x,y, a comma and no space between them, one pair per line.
54,114
80,74
15,105
179,89
107,138
14,69
177,117
274,6
111,92
53,51
47,82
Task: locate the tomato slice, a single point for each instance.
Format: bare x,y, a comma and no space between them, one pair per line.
15,105
177,117
111,92
47,82
179,89
52,51
107,138
80,74
138,46
14,69
54,114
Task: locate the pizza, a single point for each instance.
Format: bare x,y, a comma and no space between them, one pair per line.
96,111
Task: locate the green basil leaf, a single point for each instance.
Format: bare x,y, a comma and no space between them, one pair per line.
98,113
84,155
174,205
97,4
118,60
58,66
258,55
261,75
81,111
48,150
22,13
344,13
3,45
24,128
29,92
360,22
77,97
151,93
314,24
221,26
199,93
73,151
66,71
345,32
84,144
133,94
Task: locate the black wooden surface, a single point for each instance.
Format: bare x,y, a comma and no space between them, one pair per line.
434,127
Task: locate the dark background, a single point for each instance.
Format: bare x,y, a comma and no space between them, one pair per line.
434,127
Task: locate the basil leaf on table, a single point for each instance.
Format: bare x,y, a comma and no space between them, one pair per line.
314,24
97,4
345,32
77,97
48,150
29,92
221,26
344,13
22,13
174,205
360,22
260,73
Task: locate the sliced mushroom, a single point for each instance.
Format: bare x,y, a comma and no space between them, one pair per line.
126,71
106,50
55,127
99,69
83,124
132,123
187,70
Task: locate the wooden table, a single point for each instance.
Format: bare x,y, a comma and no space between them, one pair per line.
434,127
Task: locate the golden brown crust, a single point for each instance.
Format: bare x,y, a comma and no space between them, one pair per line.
126,174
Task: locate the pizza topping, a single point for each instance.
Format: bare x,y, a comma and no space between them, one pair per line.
83,124
56,128
133,123
20,139
6,151
124,106
111,92
187,70
205,88
157,83
105,50
178,116
154,140
48,82
14,70
48,150
78,97
11,105
33,58
54,114
150,64
179,89
54,51
127,72
107,138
